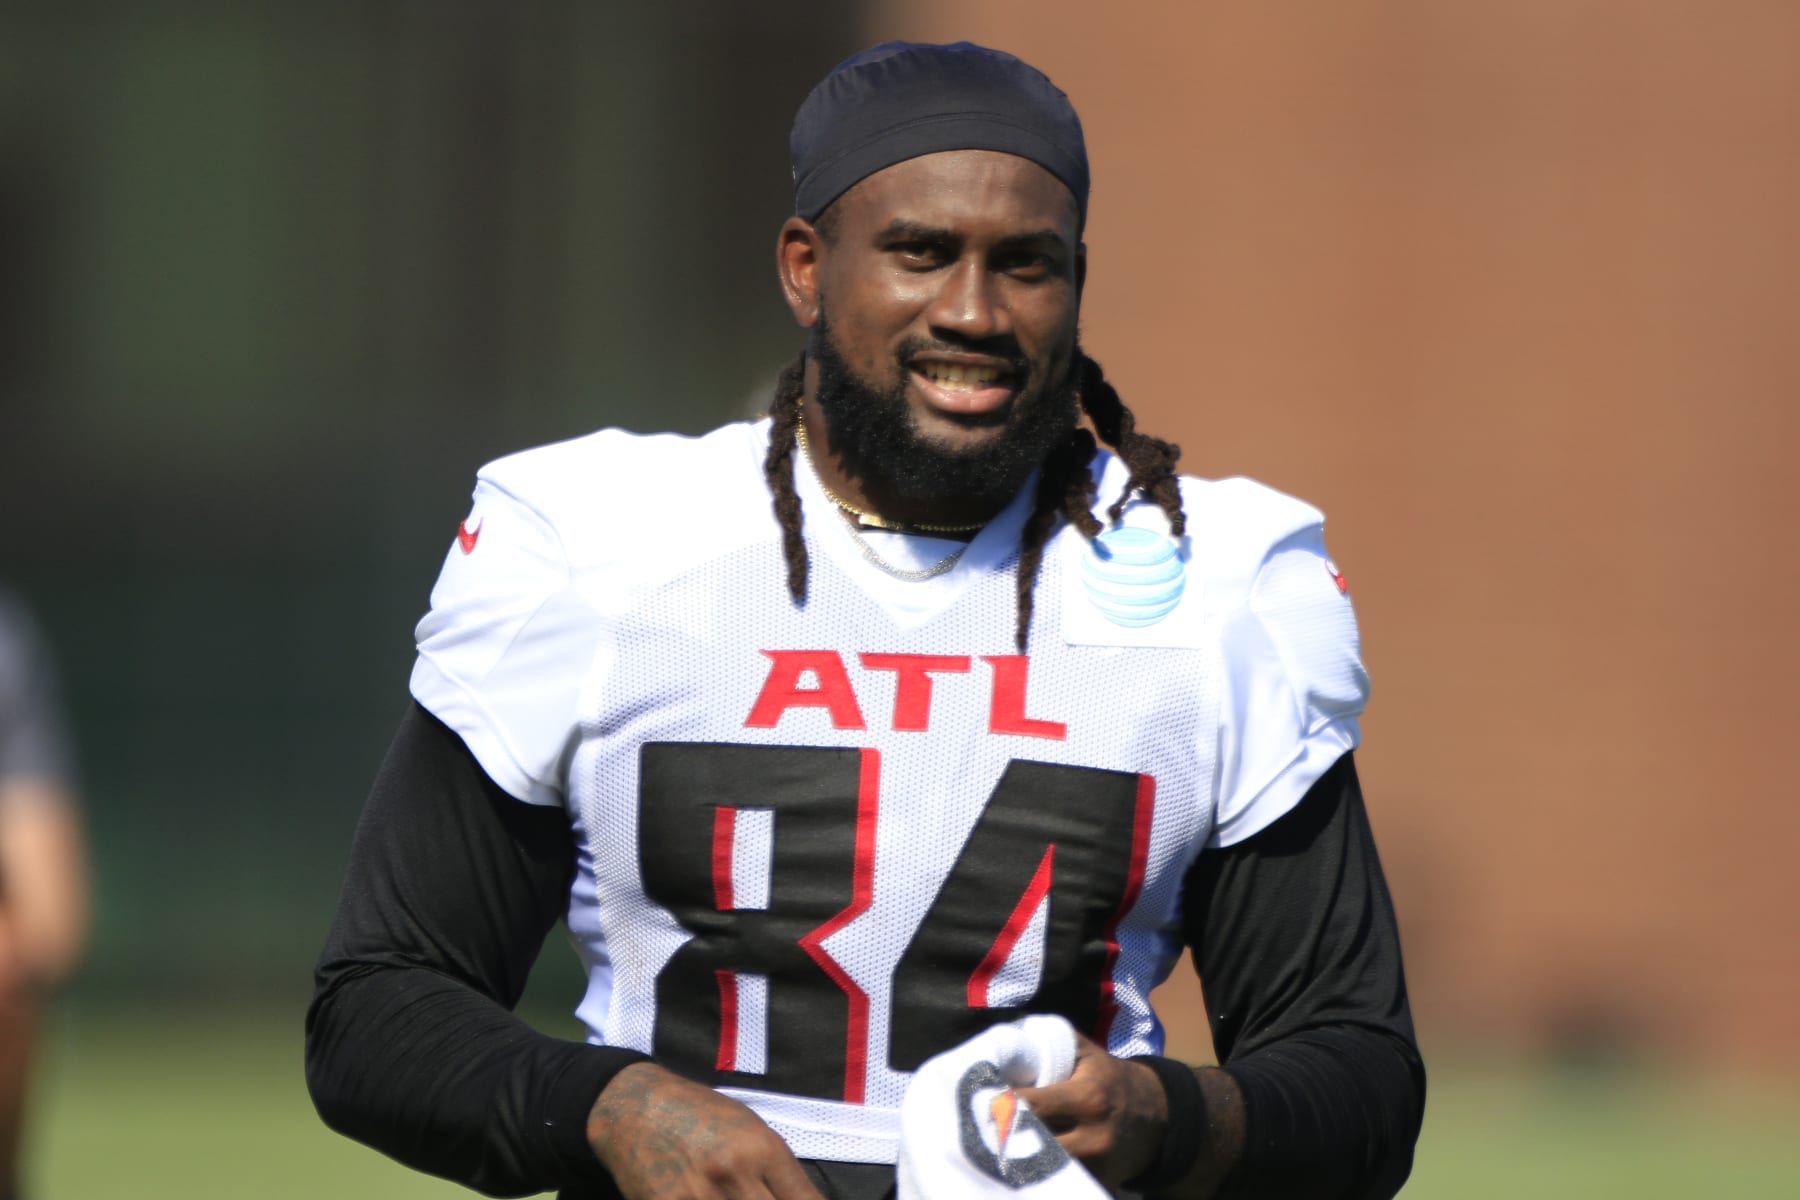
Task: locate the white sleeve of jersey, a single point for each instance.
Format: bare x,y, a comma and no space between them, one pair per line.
1294,685
506,647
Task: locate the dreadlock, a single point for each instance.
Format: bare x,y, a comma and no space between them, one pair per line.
778,469
1066,487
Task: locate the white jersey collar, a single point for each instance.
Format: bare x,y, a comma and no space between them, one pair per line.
910,602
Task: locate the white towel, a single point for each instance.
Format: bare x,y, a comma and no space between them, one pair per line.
965,1134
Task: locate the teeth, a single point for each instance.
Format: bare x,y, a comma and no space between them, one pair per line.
954,375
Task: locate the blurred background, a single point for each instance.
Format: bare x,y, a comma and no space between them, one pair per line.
1512,291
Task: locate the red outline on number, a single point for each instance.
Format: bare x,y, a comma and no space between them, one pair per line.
862,894
1022,912
728,1020
724,834
1134,884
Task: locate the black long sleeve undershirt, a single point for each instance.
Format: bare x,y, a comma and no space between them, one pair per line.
1294,937
453,886
411,1046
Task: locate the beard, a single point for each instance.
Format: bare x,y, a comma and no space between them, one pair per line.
872,431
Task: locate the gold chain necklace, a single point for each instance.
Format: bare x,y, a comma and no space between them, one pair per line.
863,515
868,552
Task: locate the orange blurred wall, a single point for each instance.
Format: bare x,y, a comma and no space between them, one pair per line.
1512,291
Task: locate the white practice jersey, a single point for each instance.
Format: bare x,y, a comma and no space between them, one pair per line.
821,842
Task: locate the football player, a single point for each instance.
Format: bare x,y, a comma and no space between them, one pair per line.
934,699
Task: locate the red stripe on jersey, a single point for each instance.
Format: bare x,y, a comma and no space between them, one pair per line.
862,893
724,836
728,1021
1002,949
1134,884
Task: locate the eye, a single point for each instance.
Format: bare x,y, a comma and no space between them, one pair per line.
918,255
1030,265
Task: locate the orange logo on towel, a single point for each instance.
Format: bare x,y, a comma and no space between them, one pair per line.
989,1116
1001,1108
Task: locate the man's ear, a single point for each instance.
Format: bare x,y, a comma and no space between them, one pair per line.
799,252
1080,268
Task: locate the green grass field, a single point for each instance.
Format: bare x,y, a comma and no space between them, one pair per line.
192,1107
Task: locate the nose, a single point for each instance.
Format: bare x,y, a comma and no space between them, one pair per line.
968,305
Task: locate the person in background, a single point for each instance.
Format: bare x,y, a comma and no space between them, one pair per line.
43,864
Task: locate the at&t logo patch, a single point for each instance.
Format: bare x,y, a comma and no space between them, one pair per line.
1134,576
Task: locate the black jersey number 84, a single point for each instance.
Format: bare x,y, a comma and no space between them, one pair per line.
1075,834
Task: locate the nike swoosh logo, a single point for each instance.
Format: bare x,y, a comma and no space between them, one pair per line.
466,537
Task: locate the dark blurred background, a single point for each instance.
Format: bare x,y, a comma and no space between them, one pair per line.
1510,290
274,280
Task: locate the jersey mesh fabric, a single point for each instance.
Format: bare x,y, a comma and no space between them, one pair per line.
669,683
689,610
1294,683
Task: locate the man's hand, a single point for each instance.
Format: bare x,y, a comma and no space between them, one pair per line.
663,1136
1110,1113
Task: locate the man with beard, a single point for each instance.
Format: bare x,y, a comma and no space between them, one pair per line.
974,720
